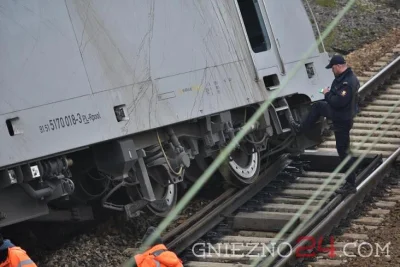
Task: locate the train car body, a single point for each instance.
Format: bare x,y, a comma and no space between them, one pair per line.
102,96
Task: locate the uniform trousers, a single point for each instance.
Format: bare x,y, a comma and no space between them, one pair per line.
341,129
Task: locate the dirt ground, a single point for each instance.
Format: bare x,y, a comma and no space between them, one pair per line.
388,232
363,58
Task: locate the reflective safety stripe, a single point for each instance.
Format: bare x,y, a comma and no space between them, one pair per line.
25,262
158,252
157,263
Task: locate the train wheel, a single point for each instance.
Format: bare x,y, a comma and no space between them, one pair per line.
242,167
166,195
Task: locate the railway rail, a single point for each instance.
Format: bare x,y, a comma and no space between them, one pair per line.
217,235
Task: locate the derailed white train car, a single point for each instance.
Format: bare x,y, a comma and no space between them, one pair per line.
117,102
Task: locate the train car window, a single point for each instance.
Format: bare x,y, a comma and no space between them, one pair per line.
255,25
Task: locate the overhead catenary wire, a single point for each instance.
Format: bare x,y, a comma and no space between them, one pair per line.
234,142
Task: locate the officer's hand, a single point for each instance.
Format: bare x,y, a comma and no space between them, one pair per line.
326,90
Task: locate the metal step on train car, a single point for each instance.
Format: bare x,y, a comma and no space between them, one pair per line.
118,102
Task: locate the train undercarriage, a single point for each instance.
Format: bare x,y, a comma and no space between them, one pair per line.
148,169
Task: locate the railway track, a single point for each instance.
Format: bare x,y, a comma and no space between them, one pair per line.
352,238
232,229
234,232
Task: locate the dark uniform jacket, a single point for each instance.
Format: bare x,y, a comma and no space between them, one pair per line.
343,96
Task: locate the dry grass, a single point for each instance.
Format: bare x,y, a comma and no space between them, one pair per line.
362,59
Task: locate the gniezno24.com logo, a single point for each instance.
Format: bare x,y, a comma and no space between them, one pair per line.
285,249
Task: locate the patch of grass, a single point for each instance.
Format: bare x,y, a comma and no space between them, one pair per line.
330,39
326,3
356,32
342,38
364,7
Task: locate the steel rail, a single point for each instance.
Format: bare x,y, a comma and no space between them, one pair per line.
379,78
333,212
334,217
199,215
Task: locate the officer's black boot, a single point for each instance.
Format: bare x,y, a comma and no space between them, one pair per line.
349,187
346,189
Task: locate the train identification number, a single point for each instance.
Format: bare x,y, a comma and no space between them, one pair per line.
68,121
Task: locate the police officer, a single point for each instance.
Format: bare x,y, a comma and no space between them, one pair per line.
340,106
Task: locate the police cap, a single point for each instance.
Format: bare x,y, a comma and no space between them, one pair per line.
336,59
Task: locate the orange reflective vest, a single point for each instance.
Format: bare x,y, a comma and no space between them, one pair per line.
17,257
158,256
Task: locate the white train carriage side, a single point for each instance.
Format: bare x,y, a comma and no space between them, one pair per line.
117,102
